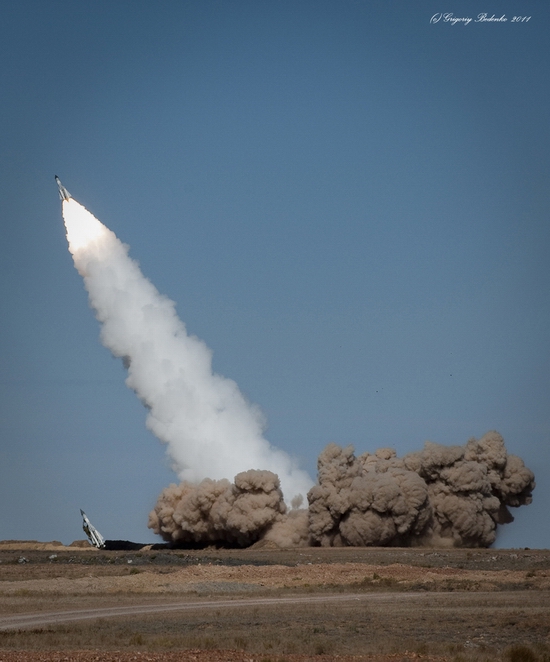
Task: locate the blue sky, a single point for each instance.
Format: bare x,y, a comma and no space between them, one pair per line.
348,204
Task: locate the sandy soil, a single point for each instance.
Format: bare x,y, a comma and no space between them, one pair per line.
202,656
266,604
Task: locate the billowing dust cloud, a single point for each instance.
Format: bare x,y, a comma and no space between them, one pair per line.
210,429
454,495
439,496
217,511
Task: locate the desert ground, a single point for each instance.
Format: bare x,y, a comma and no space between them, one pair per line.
264,604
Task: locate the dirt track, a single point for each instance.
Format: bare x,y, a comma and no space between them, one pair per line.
21,621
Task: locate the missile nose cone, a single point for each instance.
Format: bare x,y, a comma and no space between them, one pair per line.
63,193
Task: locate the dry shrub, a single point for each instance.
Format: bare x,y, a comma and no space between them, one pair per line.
521,653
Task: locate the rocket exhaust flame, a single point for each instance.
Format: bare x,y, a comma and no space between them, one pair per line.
84,231
455,495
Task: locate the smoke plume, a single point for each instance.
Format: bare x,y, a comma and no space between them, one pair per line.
441,495
209,427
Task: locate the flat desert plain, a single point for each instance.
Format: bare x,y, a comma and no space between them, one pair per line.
265,604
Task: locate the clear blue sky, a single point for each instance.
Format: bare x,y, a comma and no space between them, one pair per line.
350,205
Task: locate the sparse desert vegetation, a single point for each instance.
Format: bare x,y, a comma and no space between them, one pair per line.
270,605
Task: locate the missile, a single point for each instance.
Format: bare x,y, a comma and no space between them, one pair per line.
63,193
93,534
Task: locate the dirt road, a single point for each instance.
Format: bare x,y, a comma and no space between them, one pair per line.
21,621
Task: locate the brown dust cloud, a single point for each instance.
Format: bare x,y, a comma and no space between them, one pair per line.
439,496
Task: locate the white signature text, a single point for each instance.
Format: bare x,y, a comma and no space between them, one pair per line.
449,17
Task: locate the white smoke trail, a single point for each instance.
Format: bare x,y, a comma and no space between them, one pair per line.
209,427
